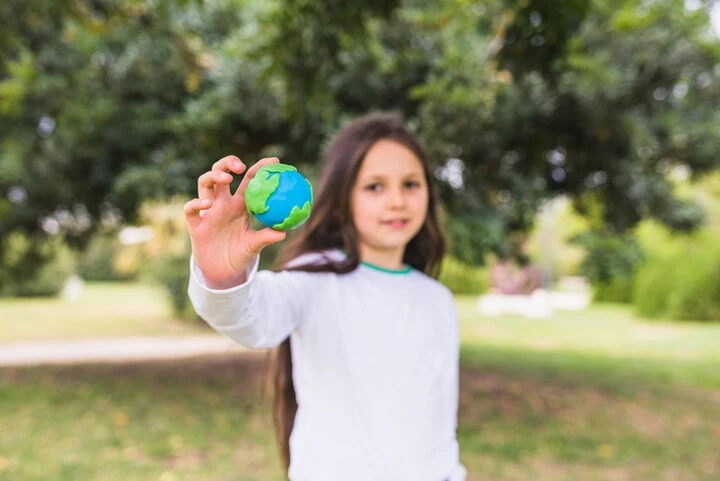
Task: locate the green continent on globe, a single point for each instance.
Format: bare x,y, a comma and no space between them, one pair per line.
296,218
261,187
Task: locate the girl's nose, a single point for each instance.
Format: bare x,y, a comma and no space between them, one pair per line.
396,198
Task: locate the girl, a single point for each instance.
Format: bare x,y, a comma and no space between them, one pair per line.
367,378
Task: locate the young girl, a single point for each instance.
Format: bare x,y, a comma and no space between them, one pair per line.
367,383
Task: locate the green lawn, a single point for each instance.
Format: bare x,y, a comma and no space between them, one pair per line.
103,309
597,395
190,420
605,341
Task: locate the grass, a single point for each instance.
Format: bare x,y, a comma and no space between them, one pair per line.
103,310
604,341
597,395
207,419
563,426
199,419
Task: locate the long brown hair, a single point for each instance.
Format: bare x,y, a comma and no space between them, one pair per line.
331,227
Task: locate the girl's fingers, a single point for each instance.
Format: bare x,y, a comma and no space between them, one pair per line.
213,182
192,211
251,173
260,239
229,164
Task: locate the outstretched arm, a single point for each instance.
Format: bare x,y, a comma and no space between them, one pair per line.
260,313
256,309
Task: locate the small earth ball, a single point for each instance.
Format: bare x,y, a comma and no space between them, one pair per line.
279,197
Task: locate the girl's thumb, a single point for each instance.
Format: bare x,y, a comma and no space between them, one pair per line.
268,236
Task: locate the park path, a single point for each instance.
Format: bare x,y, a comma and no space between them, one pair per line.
109,350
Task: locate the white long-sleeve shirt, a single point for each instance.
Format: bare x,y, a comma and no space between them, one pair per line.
375,367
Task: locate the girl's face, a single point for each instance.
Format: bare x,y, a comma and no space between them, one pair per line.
389,202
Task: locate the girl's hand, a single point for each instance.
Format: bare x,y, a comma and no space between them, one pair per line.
223,243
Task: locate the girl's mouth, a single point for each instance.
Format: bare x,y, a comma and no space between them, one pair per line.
395,223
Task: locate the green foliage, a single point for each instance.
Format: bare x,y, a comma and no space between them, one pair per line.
104,105
472,236
105,259
615,290
49,279
656,275
610,263
55,259
462,278
684,285
654,284
681,279
697,285
172,271
167,254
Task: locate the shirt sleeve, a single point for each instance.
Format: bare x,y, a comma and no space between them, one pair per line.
260,313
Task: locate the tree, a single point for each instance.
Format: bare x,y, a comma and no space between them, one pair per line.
601,101
87,89
110,103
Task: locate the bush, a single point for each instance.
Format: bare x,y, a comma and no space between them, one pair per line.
173,272
654,283
619,289
461,278
682,281
106,259
696,295
610,264
55,260
168,254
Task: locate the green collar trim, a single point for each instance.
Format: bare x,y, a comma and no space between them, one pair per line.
404,270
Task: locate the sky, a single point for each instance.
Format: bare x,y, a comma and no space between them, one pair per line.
693,5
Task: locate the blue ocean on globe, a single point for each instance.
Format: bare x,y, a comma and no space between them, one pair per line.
293,190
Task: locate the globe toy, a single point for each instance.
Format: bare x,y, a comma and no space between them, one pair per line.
279,197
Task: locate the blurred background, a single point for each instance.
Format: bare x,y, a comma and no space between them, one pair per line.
576,148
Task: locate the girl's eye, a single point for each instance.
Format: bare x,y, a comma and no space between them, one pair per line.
374,187
412,184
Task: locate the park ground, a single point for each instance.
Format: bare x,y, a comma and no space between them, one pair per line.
596,395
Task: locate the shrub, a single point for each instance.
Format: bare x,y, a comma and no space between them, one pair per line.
106,259
619,289
173,272
696,294
461,278
56,263
681,280
610,264
168,254
654,283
